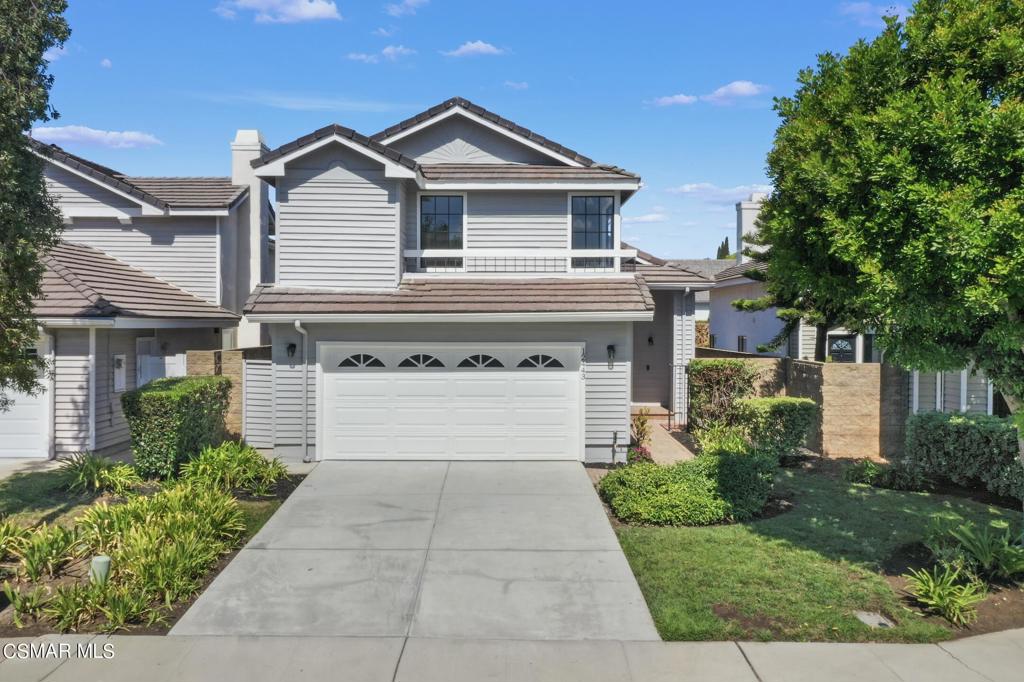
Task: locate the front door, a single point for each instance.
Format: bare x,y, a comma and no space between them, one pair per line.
842,348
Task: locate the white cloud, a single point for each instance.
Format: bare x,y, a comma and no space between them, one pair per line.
391,53
385,32
400,9
870,14
727,94
517,85
656,217
280,11
670,100
55,53
730,92
118,139
473,48
711,193
298,101
106,63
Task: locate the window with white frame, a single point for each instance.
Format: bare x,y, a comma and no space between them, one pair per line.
593,227
441,221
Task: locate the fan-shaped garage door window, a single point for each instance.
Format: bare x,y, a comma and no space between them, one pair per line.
361,360
421,360
540,360
481,361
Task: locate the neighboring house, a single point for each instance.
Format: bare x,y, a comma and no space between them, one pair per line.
707,267
147,268
740,331
454,287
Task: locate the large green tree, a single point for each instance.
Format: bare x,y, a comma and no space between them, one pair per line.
30,221
898,205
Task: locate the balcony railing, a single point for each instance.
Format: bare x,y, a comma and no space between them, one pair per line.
517,260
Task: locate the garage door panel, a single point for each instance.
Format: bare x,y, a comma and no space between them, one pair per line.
451,412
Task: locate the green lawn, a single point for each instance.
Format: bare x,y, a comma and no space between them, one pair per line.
797,576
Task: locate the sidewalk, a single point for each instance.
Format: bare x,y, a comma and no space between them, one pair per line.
997,657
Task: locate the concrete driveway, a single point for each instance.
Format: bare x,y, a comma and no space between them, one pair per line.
485,550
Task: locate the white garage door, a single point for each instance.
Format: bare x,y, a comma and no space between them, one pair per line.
25,427
429,401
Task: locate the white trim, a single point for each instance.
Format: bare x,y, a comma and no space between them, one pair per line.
858,349
460,111
624,276
220,279
76,321
615,253
198,212
70,213
668,286
276,168
800,339
582,346
989,398
963,390
915,392
940,395
92,388
51,387
582,185
521,253
171,323
146,207
611,316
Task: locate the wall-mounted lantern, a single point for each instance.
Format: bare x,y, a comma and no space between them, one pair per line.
650,340
291,350
611,355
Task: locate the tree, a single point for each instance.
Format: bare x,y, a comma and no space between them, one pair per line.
898,173
723,249
30,221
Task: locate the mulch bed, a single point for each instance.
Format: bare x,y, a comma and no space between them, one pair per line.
79,569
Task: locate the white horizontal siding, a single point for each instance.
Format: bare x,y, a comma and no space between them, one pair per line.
71,391
337,227
178,250
111,426
258,428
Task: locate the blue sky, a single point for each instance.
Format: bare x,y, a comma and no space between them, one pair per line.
679,92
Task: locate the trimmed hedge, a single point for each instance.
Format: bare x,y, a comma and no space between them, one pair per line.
967,449
776,426
709,489
715,385
171,420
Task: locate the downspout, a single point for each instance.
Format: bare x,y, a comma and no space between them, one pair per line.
305,391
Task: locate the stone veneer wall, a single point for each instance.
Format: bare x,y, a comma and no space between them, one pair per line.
227,363
863,406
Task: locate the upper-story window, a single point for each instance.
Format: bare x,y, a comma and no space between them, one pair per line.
593,222
441,220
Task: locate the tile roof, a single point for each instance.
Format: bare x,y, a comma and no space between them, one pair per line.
340,131
512,171
709,267
741,269
487,115
164,193
429,295
80,281
208,192
668,274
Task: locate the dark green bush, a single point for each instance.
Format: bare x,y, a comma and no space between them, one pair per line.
171,420
709,489
967,449
234,466
715,385
776,426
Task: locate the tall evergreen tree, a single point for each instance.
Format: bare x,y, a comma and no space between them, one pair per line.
723,249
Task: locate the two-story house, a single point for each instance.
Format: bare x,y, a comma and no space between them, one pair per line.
454,286
148,268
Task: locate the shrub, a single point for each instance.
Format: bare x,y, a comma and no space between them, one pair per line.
11,538
46,550
988,551
640,428
72,605
25,602
720,437
864,471
966,449
942,591
714,386
709,489
85,472
171,420
777,426
638,453
235,466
